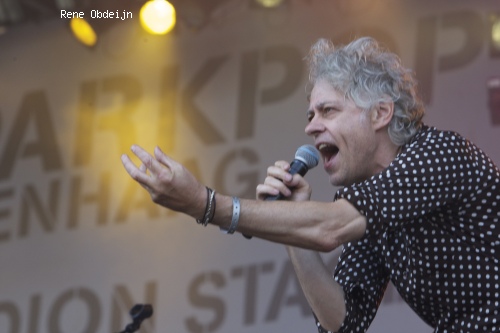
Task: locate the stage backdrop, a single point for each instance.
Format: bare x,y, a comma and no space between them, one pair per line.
80,243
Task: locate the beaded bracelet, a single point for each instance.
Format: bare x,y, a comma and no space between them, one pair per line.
209,209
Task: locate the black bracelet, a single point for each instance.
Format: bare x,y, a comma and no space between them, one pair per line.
209,209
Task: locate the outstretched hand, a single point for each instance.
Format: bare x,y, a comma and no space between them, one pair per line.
168,182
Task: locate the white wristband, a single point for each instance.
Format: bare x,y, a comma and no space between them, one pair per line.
235,218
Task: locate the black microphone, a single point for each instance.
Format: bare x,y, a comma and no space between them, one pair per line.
139,312
306,157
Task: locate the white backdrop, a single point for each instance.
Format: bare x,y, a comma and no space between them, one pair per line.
80,243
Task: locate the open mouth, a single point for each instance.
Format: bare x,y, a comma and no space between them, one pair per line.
328,151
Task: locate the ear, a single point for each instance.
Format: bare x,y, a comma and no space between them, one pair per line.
382,114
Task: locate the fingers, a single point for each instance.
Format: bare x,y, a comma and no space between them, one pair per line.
272,187
277,181
162,158
264,190
280,171
138,174
282,164
280,181
143,169
149,163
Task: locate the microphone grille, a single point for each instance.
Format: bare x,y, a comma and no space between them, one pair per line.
308,154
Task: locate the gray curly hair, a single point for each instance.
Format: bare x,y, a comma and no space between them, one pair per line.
367,74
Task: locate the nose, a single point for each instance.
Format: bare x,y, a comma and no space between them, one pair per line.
314,127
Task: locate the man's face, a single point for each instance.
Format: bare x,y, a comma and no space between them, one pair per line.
343,134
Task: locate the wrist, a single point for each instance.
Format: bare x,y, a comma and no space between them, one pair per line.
234,218
199,203
210,204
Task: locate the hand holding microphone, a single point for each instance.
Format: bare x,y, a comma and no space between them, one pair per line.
306,157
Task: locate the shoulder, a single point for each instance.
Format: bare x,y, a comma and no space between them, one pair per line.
436,138
432,152
444,146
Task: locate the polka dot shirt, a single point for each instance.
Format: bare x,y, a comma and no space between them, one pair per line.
433,230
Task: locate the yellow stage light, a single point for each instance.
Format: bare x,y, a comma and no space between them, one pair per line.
269,3
83,31
157,17
495,33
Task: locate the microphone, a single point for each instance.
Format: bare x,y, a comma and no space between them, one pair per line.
306,157
139,312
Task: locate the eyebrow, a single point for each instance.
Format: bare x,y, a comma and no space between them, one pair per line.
321,105
318,106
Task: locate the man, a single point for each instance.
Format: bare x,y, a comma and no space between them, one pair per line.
418,207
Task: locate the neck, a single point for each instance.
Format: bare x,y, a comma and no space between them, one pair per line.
386,153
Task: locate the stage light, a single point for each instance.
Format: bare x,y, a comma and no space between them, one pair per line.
269,3
91,19
83,31
495,35
157,17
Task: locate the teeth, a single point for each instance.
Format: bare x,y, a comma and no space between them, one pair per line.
321,146
327,148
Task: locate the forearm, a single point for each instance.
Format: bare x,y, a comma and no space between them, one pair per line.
323,293
312,225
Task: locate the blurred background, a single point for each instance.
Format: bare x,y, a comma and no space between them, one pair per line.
221,86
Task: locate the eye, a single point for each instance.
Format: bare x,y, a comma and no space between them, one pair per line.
329,110
309,116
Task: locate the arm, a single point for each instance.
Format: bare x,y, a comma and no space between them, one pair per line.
348,302
313,225
299,222
324,295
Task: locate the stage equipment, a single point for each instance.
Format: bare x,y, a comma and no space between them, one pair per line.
269,3
495,35
100,16
139,312
158,17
